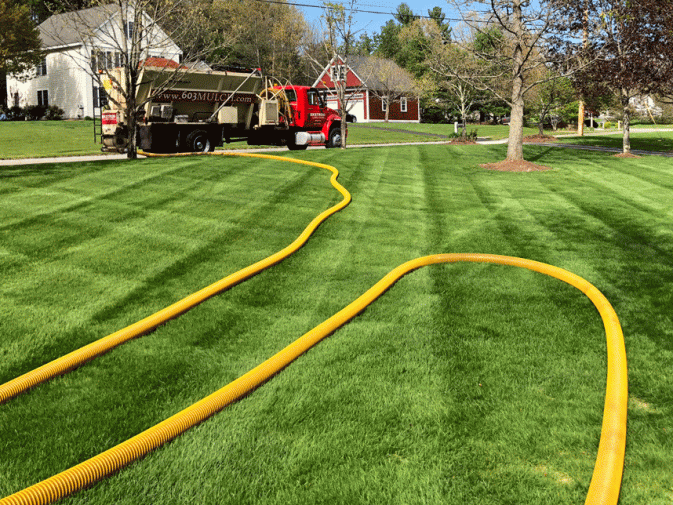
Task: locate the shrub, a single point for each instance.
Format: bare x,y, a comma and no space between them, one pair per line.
471,135
54,113
608,125
35,112
16,114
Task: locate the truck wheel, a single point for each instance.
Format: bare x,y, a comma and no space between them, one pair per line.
334,139
198,142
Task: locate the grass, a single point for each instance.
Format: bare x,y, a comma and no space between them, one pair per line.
494,132
646,141
462,384
40,139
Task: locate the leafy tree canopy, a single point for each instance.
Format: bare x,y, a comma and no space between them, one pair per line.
19,38
404,15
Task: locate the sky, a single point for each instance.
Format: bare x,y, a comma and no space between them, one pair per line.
371,21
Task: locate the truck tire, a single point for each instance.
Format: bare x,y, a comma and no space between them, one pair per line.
334,139
198,142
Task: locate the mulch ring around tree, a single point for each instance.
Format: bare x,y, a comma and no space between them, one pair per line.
626,155
462,141
515,166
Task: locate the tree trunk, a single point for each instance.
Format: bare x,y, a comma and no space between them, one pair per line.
131,117
540,127
627,123
515,143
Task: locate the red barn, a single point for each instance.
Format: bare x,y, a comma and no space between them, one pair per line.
365,89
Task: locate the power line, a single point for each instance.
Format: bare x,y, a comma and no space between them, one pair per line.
362,11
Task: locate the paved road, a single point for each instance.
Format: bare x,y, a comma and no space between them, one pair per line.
61,159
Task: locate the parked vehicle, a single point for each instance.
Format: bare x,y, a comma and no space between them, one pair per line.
197,110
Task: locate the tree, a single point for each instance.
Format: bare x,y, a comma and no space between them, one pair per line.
115,52
415,41
630,45
510,41
550,97
387,81
270,39
404,15
387,41
443,60
407,43
438,16
364,46
338,42
20,46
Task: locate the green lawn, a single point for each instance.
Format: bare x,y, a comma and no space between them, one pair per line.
493,132
647,141
464,383
39,139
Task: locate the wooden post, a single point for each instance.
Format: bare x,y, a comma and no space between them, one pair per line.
585,33
580,119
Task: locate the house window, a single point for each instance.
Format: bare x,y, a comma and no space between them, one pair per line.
403,104
17,99
338,73
384,104
41,68
43,98
105,60
128,29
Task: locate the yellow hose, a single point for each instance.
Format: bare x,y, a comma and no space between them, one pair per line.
606,479
76,358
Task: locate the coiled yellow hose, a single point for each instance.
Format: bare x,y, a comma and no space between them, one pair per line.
606,479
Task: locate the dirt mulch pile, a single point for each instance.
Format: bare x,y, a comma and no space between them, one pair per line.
626,155
539,138
462,142
515,166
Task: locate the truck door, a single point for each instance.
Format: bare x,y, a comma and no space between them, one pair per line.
315,109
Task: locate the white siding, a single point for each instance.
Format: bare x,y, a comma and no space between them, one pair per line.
68,80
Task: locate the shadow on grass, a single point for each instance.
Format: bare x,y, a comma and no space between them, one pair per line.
642,141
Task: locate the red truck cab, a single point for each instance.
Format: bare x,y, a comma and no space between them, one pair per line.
311,115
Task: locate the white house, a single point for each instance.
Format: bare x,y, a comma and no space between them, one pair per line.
78,43
644,105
